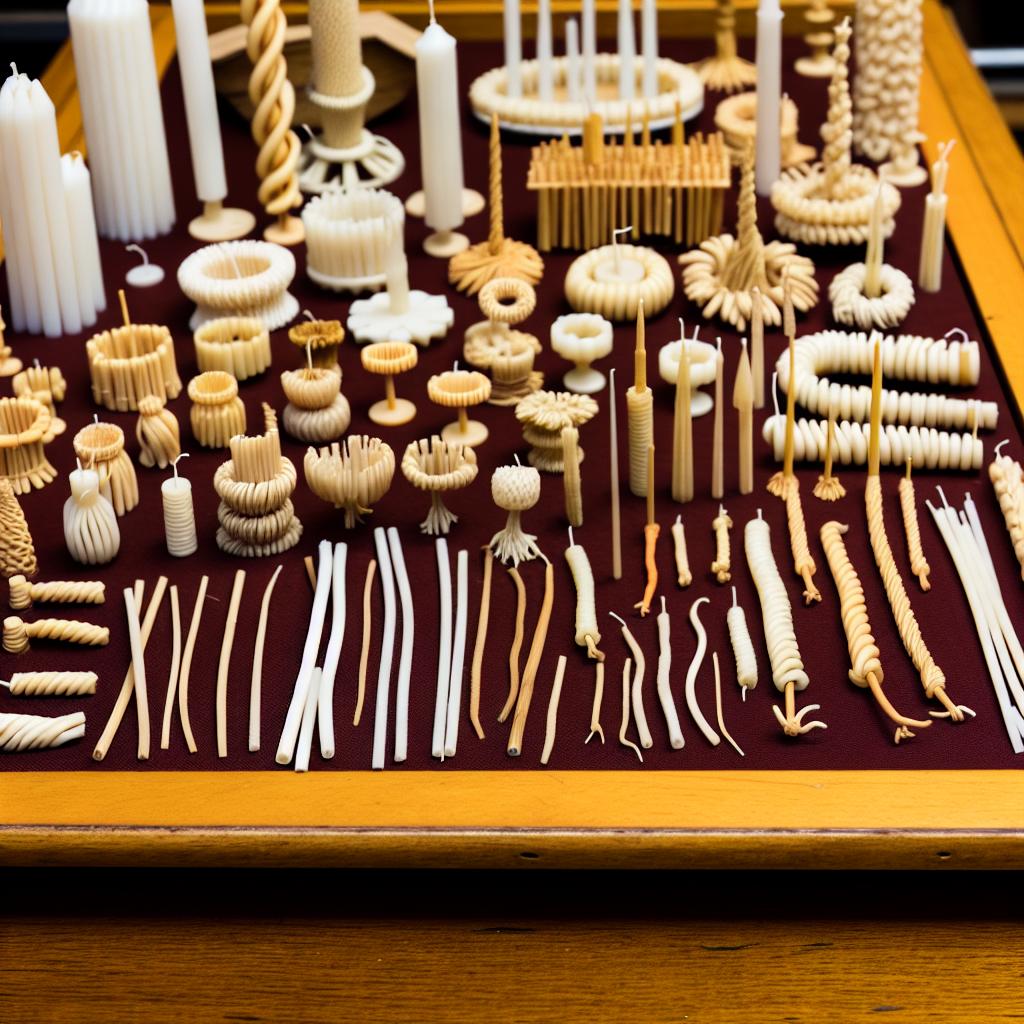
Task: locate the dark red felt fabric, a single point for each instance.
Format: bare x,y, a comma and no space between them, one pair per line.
859,736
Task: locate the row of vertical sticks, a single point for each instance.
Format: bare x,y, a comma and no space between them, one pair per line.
674,190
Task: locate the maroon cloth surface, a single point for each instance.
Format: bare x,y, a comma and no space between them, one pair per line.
859,736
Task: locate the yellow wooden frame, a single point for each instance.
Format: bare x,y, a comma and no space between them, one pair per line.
852,819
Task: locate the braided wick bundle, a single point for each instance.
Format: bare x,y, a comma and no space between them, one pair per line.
52,684
158,433
217,413
17,552
928,447
433,465
23,593
352,475
783,652
803,561
865,657
100,446
18,633
39,732
273,97
932,677
1007,478
908,505
515,489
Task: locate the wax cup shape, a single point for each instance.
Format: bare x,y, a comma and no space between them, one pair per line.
382,317
703,359
90,524
582,338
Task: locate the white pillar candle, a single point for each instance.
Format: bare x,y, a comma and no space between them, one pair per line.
122,117
179,515
437,85
85,244
572,61
200,100
589,47
769,95
627,52
513,49
396,276
52,260
545,73
649,41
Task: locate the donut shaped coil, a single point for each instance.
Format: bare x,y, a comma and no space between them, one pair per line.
850,306
619,300
241,549
507,300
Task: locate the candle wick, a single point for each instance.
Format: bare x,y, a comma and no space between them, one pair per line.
14,68
433,20
174,463
309,355
309,316
516,457
572,543
142,252
682,329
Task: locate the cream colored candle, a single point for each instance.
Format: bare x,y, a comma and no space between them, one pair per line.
682,433
683,575
571,476
613,479
873,257
929,271
757,348
179,515
640,413
717,454
743,403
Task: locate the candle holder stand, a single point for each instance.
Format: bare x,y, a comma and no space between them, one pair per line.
220,223
819,64
582,338
387,359
402,315
461,390
726,71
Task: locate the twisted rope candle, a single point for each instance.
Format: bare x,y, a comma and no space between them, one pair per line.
23,593
37,732
52,684
17,633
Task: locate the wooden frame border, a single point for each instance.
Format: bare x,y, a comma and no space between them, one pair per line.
822,819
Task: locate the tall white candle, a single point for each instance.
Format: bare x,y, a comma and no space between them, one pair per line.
649,41
437,85
627,51
122,117
53,290
545,74
84,242
396,276
589,47
200,100
769,96
572,61
513,48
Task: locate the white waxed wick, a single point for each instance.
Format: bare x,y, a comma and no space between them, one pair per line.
734,597
682,330
572,543
309,354
616,256
775,391
174,463
308,315
431,8
142,252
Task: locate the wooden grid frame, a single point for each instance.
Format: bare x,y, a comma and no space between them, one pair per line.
742,819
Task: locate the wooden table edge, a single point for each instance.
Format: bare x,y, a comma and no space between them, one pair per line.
681,819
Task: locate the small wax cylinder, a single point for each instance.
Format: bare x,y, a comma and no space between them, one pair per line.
513,49
545,70
717,453
571,476
589,48
179,516
649,40
627,51
769,96
573,86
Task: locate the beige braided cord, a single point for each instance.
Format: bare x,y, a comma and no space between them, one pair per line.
18,633
17,552
273,96
803,561
908,505
39,732
24,593
157,432
52,684
932,677
721,566
865,657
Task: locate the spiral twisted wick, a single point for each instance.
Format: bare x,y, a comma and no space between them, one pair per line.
803,560
23,593
37,732
837,131
273,96
721,566
53,684
932,677
17,633
918,563
865,657
1008,483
